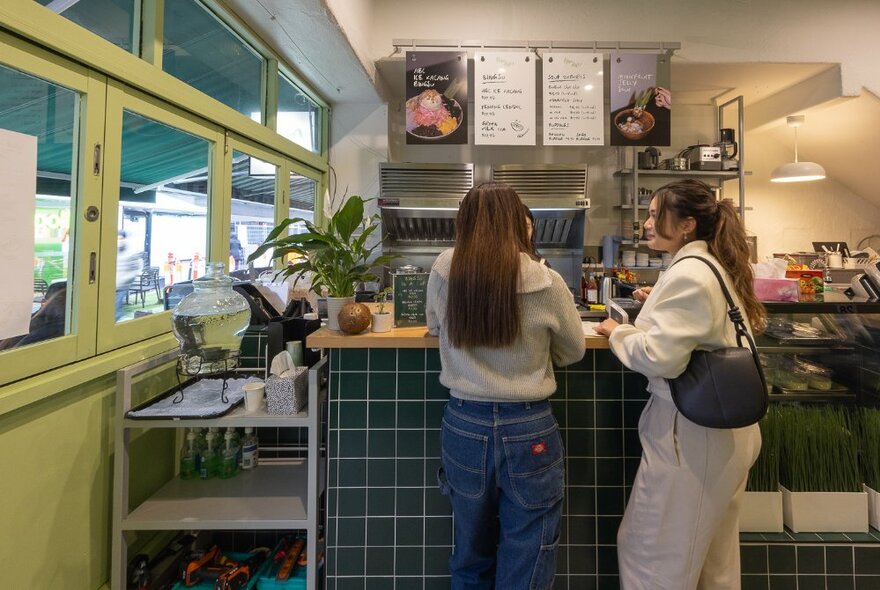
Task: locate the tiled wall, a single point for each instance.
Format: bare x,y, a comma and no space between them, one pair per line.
389,527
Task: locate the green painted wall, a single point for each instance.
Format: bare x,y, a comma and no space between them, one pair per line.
56,482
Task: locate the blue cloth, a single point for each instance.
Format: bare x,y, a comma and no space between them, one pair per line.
502,469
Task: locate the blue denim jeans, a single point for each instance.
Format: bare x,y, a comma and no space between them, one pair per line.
502,468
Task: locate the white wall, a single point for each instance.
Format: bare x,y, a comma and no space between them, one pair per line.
784,31
785,218
358,143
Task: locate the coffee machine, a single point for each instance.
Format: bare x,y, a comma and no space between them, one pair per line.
729,149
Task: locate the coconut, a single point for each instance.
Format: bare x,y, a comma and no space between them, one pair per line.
354,318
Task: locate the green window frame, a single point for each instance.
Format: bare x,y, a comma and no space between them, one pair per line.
18,363
49,46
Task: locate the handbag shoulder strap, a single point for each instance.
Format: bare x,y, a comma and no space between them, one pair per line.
733,311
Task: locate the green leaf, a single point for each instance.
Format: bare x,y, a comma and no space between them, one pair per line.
349,217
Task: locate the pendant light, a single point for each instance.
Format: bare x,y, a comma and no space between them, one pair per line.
797,171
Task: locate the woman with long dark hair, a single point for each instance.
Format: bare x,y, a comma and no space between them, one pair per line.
680,530
504,320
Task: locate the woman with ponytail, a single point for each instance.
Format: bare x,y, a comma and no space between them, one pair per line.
504,319
680,530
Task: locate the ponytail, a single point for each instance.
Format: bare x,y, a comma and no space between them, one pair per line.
720,226
730,247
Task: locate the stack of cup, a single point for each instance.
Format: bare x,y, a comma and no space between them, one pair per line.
642,259
628,258
253,396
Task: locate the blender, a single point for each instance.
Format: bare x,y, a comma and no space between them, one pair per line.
727,144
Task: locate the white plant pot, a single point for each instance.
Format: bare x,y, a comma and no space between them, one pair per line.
334,304
382,322
873,506
825,512
761,512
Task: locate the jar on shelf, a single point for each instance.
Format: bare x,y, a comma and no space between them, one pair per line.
209,324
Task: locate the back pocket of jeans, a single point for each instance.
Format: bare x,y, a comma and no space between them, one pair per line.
464,460
535,467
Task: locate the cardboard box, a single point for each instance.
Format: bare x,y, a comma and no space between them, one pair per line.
811,281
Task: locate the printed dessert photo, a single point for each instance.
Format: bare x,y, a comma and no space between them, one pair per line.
431,115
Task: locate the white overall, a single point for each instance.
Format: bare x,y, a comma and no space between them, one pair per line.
680,530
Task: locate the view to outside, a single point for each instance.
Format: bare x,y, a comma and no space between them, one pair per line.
253,209
162,218
298,116
111,19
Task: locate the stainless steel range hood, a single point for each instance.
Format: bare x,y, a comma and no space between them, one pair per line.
419,204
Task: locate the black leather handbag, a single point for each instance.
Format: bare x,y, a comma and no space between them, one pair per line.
723,388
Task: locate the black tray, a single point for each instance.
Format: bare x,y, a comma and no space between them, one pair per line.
836,389
785,338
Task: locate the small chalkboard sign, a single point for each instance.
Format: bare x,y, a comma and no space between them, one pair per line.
410,291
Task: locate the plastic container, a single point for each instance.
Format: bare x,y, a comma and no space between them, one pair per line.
252,584
209,324
249,450
189,457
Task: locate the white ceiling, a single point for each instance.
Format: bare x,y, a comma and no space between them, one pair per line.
305,34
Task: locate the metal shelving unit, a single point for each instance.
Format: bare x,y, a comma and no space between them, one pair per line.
715,177
281,494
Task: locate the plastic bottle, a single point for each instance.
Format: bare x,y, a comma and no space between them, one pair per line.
218,439
188,457
208,467
249,449
236,442
592,290
201,445
229,464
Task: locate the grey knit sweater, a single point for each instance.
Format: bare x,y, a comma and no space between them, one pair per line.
551,334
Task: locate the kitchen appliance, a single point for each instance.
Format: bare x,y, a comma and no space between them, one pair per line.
703,157
729,149
623,310
861,285
649,159
677,163
613,288
418,204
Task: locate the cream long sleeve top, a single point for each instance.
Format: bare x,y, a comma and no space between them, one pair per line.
550,333
685,311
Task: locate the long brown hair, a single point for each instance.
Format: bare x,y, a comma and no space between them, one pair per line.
490,233
718,224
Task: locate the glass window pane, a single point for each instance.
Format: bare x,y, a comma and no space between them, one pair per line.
302,201
111,19
299,118
204,53
35,107
253,209
162,219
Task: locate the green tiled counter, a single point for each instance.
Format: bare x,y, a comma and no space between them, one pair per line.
389,527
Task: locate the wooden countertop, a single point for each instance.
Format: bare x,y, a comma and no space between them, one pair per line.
399,338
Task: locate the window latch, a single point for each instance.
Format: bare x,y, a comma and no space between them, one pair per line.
96,163
93,267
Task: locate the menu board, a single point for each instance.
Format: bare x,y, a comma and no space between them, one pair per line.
573,99
410,292
641,101
436,97
504,99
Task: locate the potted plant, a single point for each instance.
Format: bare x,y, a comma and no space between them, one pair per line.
869,435
819,471
382,320
761,510
335,257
